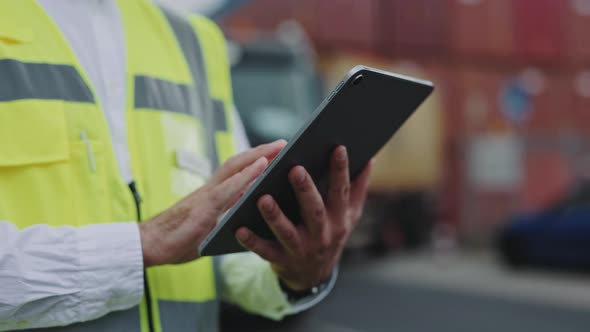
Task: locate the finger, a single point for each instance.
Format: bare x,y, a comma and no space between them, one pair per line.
359,189
279,224
240,194
266,249
310,201
339,185
238,162
225,193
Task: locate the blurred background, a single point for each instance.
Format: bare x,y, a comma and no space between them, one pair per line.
478,215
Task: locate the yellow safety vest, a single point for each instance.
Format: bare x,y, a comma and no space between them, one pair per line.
57,163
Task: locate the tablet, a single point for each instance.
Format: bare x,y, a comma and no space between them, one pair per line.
362,113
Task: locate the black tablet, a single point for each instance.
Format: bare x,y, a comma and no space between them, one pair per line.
362,113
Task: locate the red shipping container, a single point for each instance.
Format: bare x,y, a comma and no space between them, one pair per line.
580,84
539,30
452,182
417,26
261,14
481,27
551,107
346,24
578,26
472,110
484,211
549,175
479,105
304,12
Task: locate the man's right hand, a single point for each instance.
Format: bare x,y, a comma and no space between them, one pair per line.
174,236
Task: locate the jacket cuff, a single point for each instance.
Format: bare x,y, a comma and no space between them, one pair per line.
111,267
316,295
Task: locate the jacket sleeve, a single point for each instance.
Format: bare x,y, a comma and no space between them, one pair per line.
250,283
58,276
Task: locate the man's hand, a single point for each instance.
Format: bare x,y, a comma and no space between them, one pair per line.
305,255
174,236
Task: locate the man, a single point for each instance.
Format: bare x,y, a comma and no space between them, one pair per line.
116,112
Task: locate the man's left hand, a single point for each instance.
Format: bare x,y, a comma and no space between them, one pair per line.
305,255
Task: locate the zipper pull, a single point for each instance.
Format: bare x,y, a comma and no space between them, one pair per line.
89,150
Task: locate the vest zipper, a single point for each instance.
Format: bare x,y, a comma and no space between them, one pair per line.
148,299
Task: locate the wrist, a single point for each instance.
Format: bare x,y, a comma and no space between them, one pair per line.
293,295
149,245
296,294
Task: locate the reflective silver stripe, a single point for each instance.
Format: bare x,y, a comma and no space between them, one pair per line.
189,316
189,43
27,80
219,284
219,118
155,93
124,320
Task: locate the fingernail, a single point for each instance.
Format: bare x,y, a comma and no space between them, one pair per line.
267,205
300,175
243,235
260,161
342,153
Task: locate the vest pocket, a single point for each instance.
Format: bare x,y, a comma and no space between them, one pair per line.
35,181
32,132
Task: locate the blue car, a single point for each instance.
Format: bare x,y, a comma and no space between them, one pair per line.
557,238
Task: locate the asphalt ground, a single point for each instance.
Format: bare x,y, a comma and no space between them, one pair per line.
419,294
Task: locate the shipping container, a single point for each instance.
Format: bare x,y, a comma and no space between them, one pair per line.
551,104
479,107
260,15
580,85
577,28
493,175
484,213
549,177
472,110
481,28
414,27
348,24
539,30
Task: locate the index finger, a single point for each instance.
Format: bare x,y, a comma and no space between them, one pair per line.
223,194
236,163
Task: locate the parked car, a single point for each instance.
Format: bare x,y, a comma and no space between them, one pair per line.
556,238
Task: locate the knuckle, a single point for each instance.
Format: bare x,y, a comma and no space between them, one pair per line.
291,241
324,245
288,235
215,200
301,251
345,191
340,232
205,216
318,213
232,162
209,223
357,215
342,191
